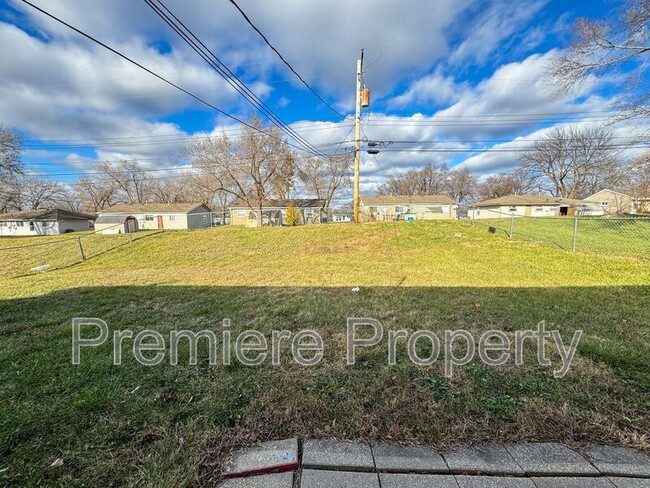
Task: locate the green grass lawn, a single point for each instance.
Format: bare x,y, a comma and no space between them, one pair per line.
622,237
170,426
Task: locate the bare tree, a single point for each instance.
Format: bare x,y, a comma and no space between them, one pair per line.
202,187
282,183
460,185
37,193
252,167
96,192
570,162
133,183
600,46
639,181
70,199
325,178
503,184
10,149
430,180
10,197
10,169
179,189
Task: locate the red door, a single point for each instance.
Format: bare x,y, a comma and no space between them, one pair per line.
160,222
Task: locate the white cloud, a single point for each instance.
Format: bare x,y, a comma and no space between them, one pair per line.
64,87
494,23
433,89
321,39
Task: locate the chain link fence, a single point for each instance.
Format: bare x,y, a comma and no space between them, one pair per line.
19,257
616,236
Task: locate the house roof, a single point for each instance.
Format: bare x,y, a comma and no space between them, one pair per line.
50,215
111,219
526,200
607,190
632,194
405,199
281,203
152,208
342,211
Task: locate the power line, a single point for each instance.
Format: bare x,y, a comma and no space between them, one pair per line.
93,173
505,150
284,60
537,114
477,141
135,144
478,124
316,126
153,73
231,78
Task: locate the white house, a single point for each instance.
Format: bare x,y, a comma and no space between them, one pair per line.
45,222
618,203
531,206
407,207
155,216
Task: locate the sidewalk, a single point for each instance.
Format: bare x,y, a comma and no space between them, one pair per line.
337,464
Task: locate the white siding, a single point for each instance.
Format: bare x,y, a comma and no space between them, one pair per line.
41,228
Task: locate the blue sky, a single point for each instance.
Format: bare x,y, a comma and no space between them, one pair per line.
462,80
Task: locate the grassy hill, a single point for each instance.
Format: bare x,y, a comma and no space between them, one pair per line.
165,425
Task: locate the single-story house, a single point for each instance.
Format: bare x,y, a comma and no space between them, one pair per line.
45,222
407,207
618,203
120,219
341,214
274,211
531,206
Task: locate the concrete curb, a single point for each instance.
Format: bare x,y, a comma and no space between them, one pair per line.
341,464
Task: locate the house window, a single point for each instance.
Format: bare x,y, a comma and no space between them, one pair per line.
309,212
20,223
148,218
539,209
241,213
604,204
3,224
373,209
31,226
172,218
512,208
478,212
399,209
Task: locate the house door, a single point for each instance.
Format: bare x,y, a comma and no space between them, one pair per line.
564,211
130,224
160,222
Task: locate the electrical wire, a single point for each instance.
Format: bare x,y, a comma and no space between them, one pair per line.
285,61
231,78
312,126
153,73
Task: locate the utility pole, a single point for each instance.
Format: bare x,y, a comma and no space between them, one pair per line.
357,138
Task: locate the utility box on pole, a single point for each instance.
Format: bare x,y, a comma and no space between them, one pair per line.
365,98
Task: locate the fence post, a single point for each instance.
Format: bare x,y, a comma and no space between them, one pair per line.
575,234
512,226
81,249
